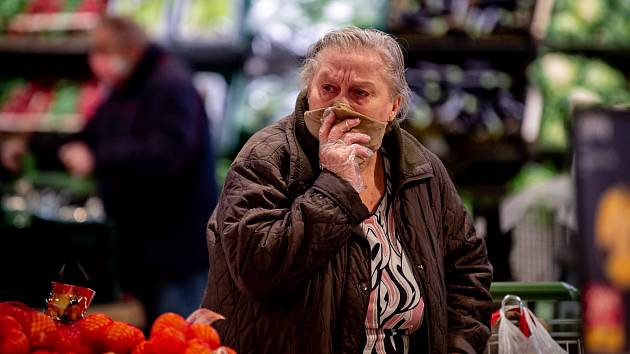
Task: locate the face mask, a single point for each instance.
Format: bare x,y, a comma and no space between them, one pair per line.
369,126
109,68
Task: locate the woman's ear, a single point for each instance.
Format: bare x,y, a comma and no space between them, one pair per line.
395,108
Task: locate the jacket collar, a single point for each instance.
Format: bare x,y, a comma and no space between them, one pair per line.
407,156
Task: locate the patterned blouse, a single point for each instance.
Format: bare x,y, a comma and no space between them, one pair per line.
395,308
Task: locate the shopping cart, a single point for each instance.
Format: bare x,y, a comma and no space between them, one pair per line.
565,325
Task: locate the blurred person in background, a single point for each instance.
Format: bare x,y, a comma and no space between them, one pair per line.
148,145
328,239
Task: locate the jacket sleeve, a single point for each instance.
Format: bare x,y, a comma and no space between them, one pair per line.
272,242
468,274
169,142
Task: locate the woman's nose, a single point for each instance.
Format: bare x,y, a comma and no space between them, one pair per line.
343,98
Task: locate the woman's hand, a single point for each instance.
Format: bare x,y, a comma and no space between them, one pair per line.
78,159
338,148
12,151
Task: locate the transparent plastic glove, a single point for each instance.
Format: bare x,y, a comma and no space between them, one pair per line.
204,316
339,149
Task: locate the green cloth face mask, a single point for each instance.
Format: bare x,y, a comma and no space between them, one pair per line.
369,126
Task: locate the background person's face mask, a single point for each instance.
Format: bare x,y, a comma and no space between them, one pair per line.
369,126
110,69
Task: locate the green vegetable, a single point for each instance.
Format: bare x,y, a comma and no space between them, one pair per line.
559,73
148,13
566,81
80,187
590,11
8,9
66,98
531,174
71,5
602,78
590,23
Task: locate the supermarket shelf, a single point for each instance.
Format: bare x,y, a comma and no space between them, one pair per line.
198,55
620,51
40,123
619,48
53,22
68,45
486,166
419,43
205,56
618,57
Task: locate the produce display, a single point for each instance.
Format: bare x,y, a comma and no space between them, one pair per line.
47,104
208,21
152,15
295,25
29,16
475,98
51,195
255,102
566,81
24,330
472,18
590,23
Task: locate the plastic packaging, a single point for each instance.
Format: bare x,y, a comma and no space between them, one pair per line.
68,303
512,340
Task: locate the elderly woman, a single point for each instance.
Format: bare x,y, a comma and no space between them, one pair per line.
332,238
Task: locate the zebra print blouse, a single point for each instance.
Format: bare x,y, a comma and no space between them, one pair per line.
395,308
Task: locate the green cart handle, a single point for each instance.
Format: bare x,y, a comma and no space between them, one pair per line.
536,291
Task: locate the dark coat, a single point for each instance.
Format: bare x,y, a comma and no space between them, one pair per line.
290,269
155,167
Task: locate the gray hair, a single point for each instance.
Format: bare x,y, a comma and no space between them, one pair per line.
352,38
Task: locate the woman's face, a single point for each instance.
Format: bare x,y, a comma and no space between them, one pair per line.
357,78
108,62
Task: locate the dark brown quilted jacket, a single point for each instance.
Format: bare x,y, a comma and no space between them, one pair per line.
290,269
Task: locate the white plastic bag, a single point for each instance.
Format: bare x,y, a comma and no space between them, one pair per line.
513,341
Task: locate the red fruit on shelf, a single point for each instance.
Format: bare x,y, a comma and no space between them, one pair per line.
169,340
145,347
41,100
224,350
8,323
122,338
68,339
17,311
44,6
18,98
90,98
14,341
40,329
96,6
171,320
93,329
9,307
196,346
205,333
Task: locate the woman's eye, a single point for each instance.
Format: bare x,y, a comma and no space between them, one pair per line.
328,88
361,93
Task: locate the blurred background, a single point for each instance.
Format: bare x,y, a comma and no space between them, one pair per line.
495,84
